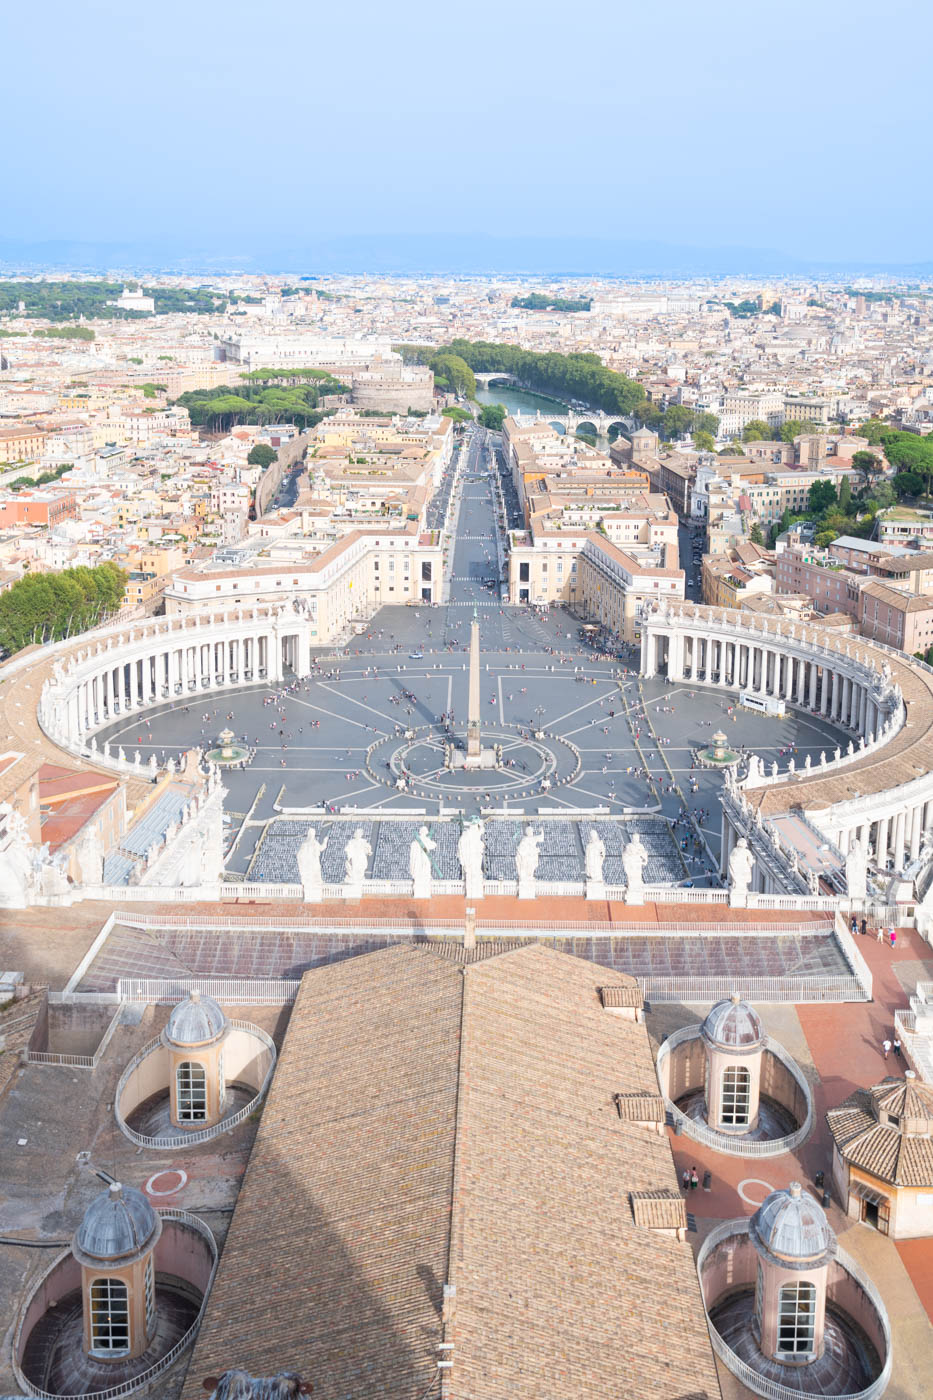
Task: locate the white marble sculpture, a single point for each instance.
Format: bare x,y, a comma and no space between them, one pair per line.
857,869
594,856
16,871
357,853
526,861
309,866
419,863
741,867
470,854
634,860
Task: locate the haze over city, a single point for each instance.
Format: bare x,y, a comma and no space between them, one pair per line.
614,139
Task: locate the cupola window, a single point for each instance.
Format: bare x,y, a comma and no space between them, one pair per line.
736,1096
191,1092
796,1318
110,1316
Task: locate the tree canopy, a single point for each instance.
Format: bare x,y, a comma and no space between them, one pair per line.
539,301
224,407
46,607
577,376
797,427
452,371
66,301
756,430
493,415
261,455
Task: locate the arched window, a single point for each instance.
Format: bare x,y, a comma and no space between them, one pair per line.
736,1091
110,1316
796,1318
191,1092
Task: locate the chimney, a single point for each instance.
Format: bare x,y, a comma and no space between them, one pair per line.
469,929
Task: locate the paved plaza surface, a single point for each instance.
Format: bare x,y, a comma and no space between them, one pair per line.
578,728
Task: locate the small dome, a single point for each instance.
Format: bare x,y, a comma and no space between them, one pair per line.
908,1101
791,1227
733,1025
197,1020
118,1222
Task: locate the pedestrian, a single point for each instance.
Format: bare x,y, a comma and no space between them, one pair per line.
685,1180
879,934
897,1046
694,1179
864,928
886,1047
893,936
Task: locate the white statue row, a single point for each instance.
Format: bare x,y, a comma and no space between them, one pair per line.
470,850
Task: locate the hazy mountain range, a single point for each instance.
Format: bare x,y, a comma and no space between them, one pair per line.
445,254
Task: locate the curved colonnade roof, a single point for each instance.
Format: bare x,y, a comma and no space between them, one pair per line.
905,757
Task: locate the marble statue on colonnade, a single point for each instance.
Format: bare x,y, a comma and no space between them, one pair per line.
419,863
309,866
594,855
634,860
356,854
526,861
857,868
741,868
470,849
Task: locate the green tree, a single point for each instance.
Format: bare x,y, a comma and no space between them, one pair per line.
454,371
872,430
492,416
261,455
845,496
883,495
867,466
458,414
677,420
46,607
706,423
824,538
756,430
704,442
907,484
796,427
755,534
821,496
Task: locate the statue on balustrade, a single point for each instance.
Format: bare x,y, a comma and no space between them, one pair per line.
419,863
470,854
309,866
857,868
741,869
634,860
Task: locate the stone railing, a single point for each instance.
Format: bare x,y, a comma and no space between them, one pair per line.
145,1378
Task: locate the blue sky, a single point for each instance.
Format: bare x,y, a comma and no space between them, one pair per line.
794,126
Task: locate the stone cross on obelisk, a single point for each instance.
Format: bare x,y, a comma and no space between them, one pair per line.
474,745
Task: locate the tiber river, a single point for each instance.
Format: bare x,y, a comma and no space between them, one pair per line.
520,400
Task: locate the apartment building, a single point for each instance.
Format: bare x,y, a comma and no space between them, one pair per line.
23,444
898,619
49,508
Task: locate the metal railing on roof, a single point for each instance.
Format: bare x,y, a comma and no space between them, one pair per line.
144,1378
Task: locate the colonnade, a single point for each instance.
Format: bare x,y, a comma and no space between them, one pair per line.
844,686
762,668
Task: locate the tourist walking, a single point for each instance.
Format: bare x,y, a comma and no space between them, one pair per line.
886,1047
897,1046
892,936
694,1179
685,1179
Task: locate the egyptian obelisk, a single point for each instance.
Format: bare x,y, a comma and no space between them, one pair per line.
474,745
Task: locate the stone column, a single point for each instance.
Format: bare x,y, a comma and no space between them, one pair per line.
814,681
881,848
916,831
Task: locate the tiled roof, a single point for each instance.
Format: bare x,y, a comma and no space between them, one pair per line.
659,1210
879,1149
434,1122
627,993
